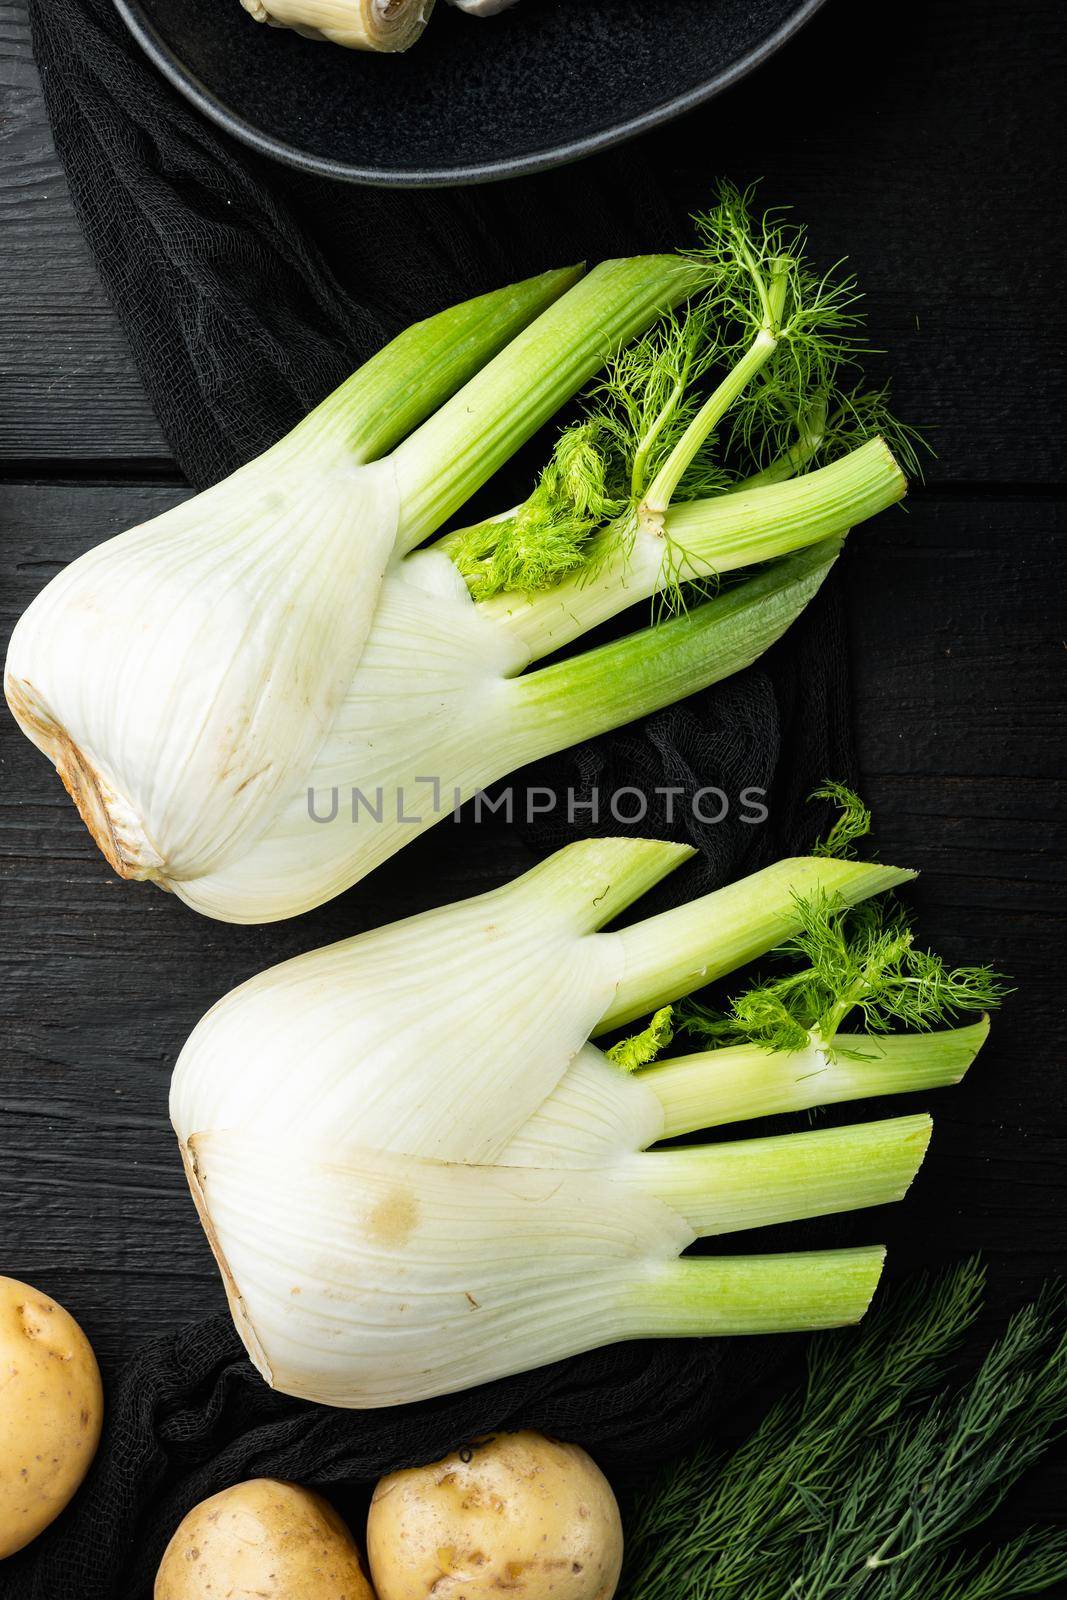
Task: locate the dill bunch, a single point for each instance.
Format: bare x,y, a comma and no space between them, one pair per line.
862,1483
743,388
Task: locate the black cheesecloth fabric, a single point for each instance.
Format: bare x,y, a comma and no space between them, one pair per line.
248,292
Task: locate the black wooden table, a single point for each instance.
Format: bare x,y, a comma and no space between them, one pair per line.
923,139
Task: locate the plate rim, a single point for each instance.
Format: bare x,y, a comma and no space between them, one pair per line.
205,100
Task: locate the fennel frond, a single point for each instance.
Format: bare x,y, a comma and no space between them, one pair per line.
853,824
848,959
641,1048
771,340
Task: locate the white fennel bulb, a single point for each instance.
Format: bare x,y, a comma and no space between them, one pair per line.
261,695
222,638
183,676
437,710
418,1172
387,26
482,8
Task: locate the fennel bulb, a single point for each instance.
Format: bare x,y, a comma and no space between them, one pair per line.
383,25
212,684
416,1175
482,8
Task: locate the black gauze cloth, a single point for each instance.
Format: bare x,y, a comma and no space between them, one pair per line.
247,293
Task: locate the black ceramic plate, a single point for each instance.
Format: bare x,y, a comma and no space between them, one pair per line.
475,98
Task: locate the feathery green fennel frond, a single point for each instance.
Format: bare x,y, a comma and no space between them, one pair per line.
862,413
642,1048
848,959
741,387
853,824
550,535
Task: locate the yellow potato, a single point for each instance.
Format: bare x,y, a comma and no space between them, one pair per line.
262,1540
51,1410
516,1514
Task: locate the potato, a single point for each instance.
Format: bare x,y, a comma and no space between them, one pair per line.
516,1514
51,1411
263,1539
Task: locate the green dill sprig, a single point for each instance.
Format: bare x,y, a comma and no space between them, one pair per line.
860,1484
742,387
848,958
1031,1564
942,1473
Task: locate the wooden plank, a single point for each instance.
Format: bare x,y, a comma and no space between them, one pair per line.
913,157
923,142
957,594
68,385
959,666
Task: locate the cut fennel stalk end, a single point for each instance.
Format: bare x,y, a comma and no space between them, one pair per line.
728,1295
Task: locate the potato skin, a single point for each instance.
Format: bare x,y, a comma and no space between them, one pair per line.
264,1539
521,1515
51,1411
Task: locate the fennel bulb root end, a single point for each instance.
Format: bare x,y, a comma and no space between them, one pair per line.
113,823
241,1321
